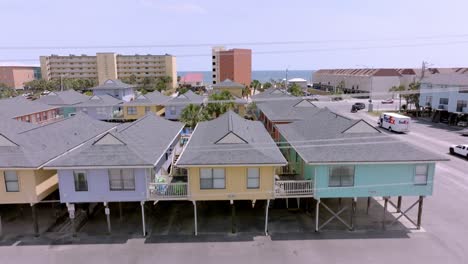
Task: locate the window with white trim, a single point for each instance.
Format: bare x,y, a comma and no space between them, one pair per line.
11,181
253,178
81,181
172,110
121,180
421,174
212,178
131,110
341,176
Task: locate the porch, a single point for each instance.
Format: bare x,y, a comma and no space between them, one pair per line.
290,184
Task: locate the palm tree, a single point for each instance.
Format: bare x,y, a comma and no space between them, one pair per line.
191,115
255,84
398,89
267,85
217,109
246,92
295,90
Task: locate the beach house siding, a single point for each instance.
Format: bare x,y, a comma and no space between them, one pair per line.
173,111
99,187
235,185
375,180
295,162
67,111
34,185
140,111
121,94
100,112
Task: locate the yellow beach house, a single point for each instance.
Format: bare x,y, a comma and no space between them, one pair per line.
229,159
143,104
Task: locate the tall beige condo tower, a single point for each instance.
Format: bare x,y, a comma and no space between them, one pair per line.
109,65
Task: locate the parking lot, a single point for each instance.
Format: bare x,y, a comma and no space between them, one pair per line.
173,221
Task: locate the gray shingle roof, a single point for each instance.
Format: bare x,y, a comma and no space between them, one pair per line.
12,126
256,147
143,142
322,139
270,93
112,84
69,97
228,84
187,98
287,109
20,106
100,100
39,145
153,98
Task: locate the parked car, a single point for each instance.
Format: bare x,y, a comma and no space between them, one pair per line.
387,101
360,106
461,150
354,109
462,123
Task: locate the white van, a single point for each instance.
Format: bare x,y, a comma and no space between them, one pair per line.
394,122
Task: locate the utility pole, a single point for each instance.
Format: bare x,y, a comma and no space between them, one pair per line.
61,82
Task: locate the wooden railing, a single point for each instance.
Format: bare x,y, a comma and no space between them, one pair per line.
303,188
169,191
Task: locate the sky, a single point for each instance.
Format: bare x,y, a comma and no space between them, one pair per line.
293,34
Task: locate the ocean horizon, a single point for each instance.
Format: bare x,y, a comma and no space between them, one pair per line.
262,76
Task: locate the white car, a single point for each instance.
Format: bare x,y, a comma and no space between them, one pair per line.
460,150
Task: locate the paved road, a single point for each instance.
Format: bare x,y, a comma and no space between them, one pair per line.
445,239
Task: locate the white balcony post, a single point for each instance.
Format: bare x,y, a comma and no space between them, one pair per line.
142,203
317,209
195,216
266,217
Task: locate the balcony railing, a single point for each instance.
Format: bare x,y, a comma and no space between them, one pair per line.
168,191
303,188
117,114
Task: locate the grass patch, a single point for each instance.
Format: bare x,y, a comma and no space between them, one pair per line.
318,92
378,113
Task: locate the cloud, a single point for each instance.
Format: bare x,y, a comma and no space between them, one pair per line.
174,6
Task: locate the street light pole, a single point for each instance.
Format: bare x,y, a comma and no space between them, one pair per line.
371,90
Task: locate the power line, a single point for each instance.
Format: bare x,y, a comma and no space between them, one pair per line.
307,50
257,43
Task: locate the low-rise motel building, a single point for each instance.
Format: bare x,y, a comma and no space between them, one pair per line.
145,103
26,148
123,165
22,109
